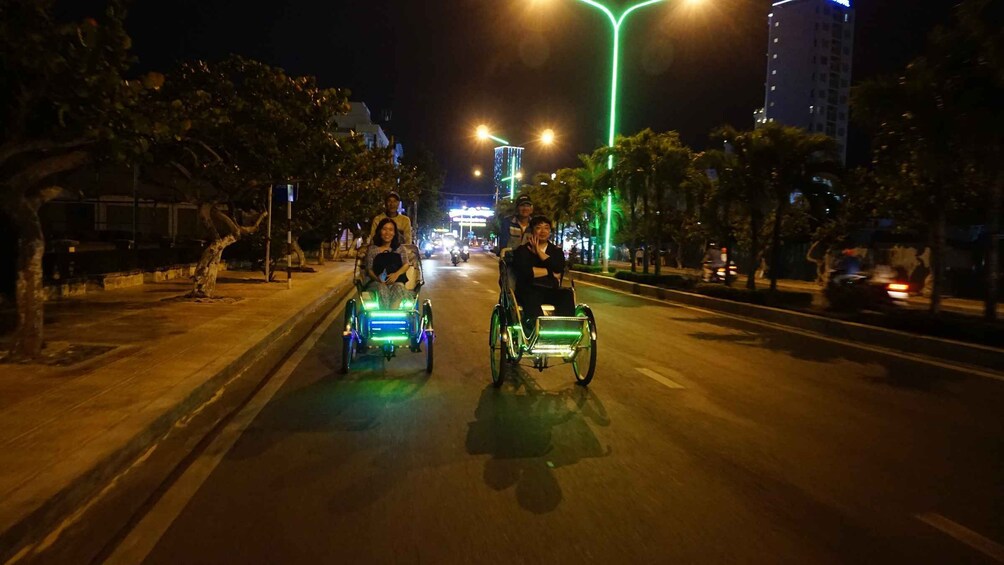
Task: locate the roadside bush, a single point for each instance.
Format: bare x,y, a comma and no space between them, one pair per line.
779,299
667,281
592,269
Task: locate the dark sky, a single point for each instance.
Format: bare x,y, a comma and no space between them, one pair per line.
443,66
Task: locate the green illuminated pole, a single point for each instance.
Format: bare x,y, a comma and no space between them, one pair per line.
616,22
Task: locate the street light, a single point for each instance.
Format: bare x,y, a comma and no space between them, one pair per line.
483,133
616,22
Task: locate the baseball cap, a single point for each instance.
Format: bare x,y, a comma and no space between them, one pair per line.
523,199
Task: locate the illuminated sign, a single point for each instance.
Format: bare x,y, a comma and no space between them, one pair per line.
474,217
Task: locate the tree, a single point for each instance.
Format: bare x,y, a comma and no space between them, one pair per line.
923,153
252,126
793,158
65,103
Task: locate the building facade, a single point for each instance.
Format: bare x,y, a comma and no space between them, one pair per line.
508,169
809,51
359,120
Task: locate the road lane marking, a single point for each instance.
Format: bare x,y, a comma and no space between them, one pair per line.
143,538
789,329
659,378
963,534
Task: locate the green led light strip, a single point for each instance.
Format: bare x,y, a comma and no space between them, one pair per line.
392,338
391,314
561,332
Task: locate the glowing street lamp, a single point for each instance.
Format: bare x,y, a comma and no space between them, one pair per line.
616,22
482,132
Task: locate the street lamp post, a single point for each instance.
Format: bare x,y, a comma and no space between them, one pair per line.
547,137
616,22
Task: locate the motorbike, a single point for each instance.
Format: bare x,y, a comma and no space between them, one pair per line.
455,255
465,253
860,291
427,249
716,273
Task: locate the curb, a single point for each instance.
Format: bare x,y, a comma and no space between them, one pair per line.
252,366
979,356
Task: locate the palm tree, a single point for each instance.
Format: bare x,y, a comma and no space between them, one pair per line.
791,156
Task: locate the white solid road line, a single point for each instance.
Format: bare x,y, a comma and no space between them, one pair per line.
659,378
789,329
974,540
144,537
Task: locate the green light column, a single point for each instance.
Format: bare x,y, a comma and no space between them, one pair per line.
616,23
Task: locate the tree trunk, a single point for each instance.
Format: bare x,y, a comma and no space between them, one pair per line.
993,251
755,221
647,250
209,267
28,336
775,247
298,254
938,261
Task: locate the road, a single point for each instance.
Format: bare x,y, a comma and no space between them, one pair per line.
703,438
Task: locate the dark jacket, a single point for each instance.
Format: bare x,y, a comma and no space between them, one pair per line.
524,260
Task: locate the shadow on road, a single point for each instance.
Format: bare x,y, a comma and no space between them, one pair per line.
898,372
529,432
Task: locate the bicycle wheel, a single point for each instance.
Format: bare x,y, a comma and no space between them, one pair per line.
497,345
430,336
584,362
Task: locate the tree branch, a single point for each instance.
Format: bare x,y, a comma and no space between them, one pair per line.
40,170
11,149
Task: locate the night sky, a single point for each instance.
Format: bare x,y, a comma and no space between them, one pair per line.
444,66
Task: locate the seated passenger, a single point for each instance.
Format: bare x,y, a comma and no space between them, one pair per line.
538,266
386,264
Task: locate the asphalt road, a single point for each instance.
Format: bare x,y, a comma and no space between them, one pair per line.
702,439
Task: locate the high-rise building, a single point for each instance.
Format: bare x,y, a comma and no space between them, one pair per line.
809,52
508,169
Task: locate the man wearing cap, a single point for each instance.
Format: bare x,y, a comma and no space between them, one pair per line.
516,229
391,204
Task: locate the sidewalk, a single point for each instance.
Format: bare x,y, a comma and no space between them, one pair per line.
151,358
957,305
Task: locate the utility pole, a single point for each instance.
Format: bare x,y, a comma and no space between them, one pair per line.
289,235
268,238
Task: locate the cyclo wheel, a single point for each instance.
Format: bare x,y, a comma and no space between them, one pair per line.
430,336
348,341
496,342
584,362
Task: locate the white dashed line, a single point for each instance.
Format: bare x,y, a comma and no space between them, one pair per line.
659,378
961,533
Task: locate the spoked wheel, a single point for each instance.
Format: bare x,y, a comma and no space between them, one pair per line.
584,362
430,336
348,340
496,342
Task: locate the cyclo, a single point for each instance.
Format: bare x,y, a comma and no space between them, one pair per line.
369,324
568,339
